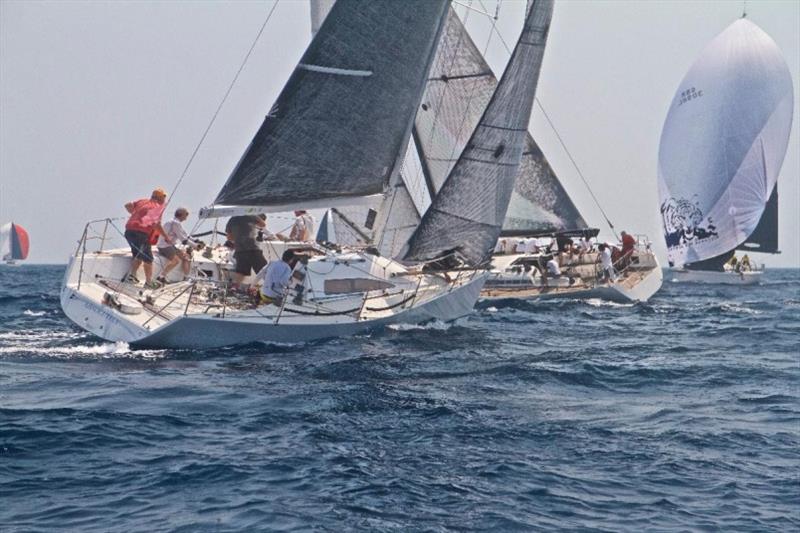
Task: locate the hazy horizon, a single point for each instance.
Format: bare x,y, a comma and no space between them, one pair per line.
100,102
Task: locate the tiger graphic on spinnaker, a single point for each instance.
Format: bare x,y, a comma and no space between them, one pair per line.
682,223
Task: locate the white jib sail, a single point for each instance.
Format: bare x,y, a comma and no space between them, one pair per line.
5,242
723,143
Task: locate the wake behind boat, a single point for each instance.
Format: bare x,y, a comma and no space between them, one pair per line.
721,151
335,136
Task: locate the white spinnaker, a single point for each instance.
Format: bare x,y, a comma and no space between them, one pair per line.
723,143
5,241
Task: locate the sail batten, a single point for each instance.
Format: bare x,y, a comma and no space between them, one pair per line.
467,214
722,147
340,122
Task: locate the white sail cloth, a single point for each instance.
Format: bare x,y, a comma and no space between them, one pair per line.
5,241
723,144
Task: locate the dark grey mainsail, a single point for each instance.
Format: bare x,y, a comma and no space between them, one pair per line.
765,237
467,214
337,128
459,88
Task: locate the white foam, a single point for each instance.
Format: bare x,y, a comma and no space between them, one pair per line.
436,325
41,344
597,302
738,308
491,309
28,312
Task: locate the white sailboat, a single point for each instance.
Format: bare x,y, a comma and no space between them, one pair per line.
335,137
14,244
458,90
722,147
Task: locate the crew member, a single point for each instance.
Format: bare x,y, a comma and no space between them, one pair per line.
303,228
174,255
145,219
553,268
242,231
275,278
609,274
628,246
744,266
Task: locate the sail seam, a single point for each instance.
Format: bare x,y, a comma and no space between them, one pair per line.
503,128
490,162
446,78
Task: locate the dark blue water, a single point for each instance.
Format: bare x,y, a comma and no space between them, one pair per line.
680,414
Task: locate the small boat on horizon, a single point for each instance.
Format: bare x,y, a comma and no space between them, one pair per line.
14,244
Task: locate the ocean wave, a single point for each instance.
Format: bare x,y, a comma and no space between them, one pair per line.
598,302
436,325
28,312
107,350
734,307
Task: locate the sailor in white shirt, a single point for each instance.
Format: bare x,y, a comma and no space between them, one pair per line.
275,279
531,246
176,234
585,244
553,270
605,262
303,228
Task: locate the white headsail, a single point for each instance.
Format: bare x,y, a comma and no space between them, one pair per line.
723,144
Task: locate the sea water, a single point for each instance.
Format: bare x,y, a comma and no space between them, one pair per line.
679,414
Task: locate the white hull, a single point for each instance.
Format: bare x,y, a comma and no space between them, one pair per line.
200,314
713,277
637,284
210,331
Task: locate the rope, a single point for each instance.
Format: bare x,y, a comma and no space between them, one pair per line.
219,107
561,141
586,183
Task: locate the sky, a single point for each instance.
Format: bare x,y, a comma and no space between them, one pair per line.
100,102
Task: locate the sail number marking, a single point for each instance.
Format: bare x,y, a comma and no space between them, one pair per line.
689,94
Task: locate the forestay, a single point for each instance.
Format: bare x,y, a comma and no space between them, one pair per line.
335,132
458,90
723,144
467,214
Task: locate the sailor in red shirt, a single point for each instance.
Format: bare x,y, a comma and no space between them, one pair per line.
145,218
628,245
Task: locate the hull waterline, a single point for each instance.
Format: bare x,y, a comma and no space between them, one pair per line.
714,277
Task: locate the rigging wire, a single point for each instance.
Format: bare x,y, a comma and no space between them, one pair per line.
560,140
219,107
